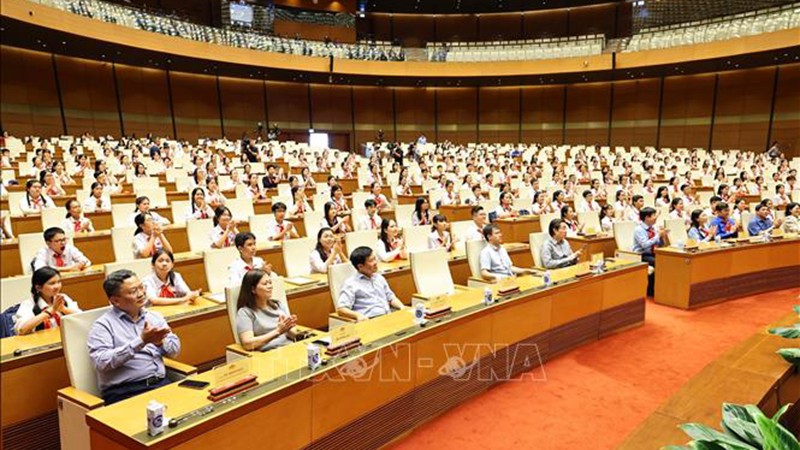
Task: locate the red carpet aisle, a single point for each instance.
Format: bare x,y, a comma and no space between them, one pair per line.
596,395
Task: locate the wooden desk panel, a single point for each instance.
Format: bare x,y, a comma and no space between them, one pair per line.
605,245
519,229
407,199
456,213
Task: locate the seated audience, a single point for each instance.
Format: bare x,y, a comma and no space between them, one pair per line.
47,304
225,230
262,322
199,208
366,294
143,206
495,262
247,259
440,236
96,201
282,229
646,238
556,251
148,237
128,343
607,218
75,221
328,252
422,212
165,286
337,224
372,221
699,230
34,201
762,223
390,245
506,207
58,253
791,222
723,226
479,221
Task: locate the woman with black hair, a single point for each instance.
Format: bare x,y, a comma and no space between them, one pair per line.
262,322
148,237
331,220
422,212
199,208
47,304
165,286
143,206
75,221
96,201
328,252
34,201
390,245
225,230
699,230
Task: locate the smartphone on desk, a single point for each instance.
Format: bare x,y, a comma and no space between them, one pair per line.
193,384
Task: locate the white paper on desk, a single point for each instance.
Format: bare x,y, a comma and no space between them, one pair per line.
300,280
218,297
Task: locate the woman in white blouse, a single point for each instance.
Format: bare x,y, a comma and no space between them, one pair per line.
607,218
47,304
540,204
148,237
164,286
96,201
331,220
34,201
199,209
225,230
75,222
328,252
143,206
440,237
791,222
214,196
390,245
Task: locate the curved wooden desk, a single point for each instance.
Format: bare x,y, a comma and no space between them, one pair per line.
401,376
691,280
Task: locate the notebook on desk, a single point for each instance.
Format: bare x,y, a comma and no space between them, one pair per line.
218,297
300,281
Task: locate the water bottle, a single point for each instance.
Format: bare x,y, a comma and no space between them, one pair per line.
314,358
548,280
487,297
419,313
155,418
717,239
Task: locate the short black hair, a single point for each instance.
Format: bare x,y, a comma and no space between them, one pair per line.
646,212
360,255
278,206
370,203
587,193
476,209
243,237
555,224
715,198
51,232
721,206
114,281
636,198
488,230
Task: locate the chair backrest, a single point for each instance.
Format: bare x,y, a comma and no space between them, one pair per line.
417,237
259,224
458,231
355,239
623,234
29,244
295,255
431,272
677,230
545,219
143,184
359,198
241,208
474,249
122,243
536,240
14,290
13,202
231,297
747,216
179,208
121,213
311,221
337,275
215,263
590,220
157,196
141,267
52,217
197,232
74,336
402,214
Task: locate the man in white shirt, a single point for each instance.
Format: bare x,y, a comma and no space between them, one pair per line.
632,212
589,204
366,294
247,259
283,229
495,262
372,221
475,231
58,254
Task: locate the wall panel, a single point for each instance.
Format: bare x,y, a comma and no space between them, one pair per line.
497,27
542,24
597,19
635,119
542,114
414,30
331,112
288,105
415,113
686,111
314,32
499,114
89,96
242,106
457,27
587,113
196,105
144,99
456,114
786,120
743,105
29,100
373,111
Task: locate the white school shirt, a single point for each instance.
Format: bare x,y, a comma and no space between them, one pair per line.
25,312
216,234
276,229
370,222
589,207
70,225
318,264
204,213
153,285
47,257
35,206
90,204
435,241
157,218
140,242
238,268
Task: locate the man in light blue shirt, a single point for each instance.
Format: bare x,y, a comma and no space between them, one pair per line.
366,294
128,343
761,222
646,238
495,262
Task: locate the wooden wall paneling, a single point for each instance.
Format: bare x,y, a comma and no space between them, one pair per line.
373,111
635,119
456,114
415,109
457,27
542,114
288,105
597,19
786,117
314,32
196,105
381,27
332,113
499,114
414,30
743,106
323,5
89,96
28,96
242,105
144,100
498,27
587,113
542,24
686,111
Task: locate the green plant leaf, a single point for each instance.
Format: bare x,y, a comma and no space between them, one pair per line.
792,332
678,447
711,445
775,436
777,416
796,309
700,432
738,421
791,355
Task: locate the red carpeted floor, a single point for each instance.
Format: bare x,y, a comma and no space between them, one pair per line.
594,396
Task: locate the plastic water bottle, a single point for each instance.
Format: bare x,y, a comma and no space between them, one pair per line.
717,239
419,313
155,418
546,277
487,297
314,358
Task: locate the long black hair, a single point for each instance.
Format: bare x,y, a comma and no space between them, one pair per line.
219,212
28,185
418,209
139,201
139,221
39,278
328,207
384,236
246,296
171,274
194,192
319,248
